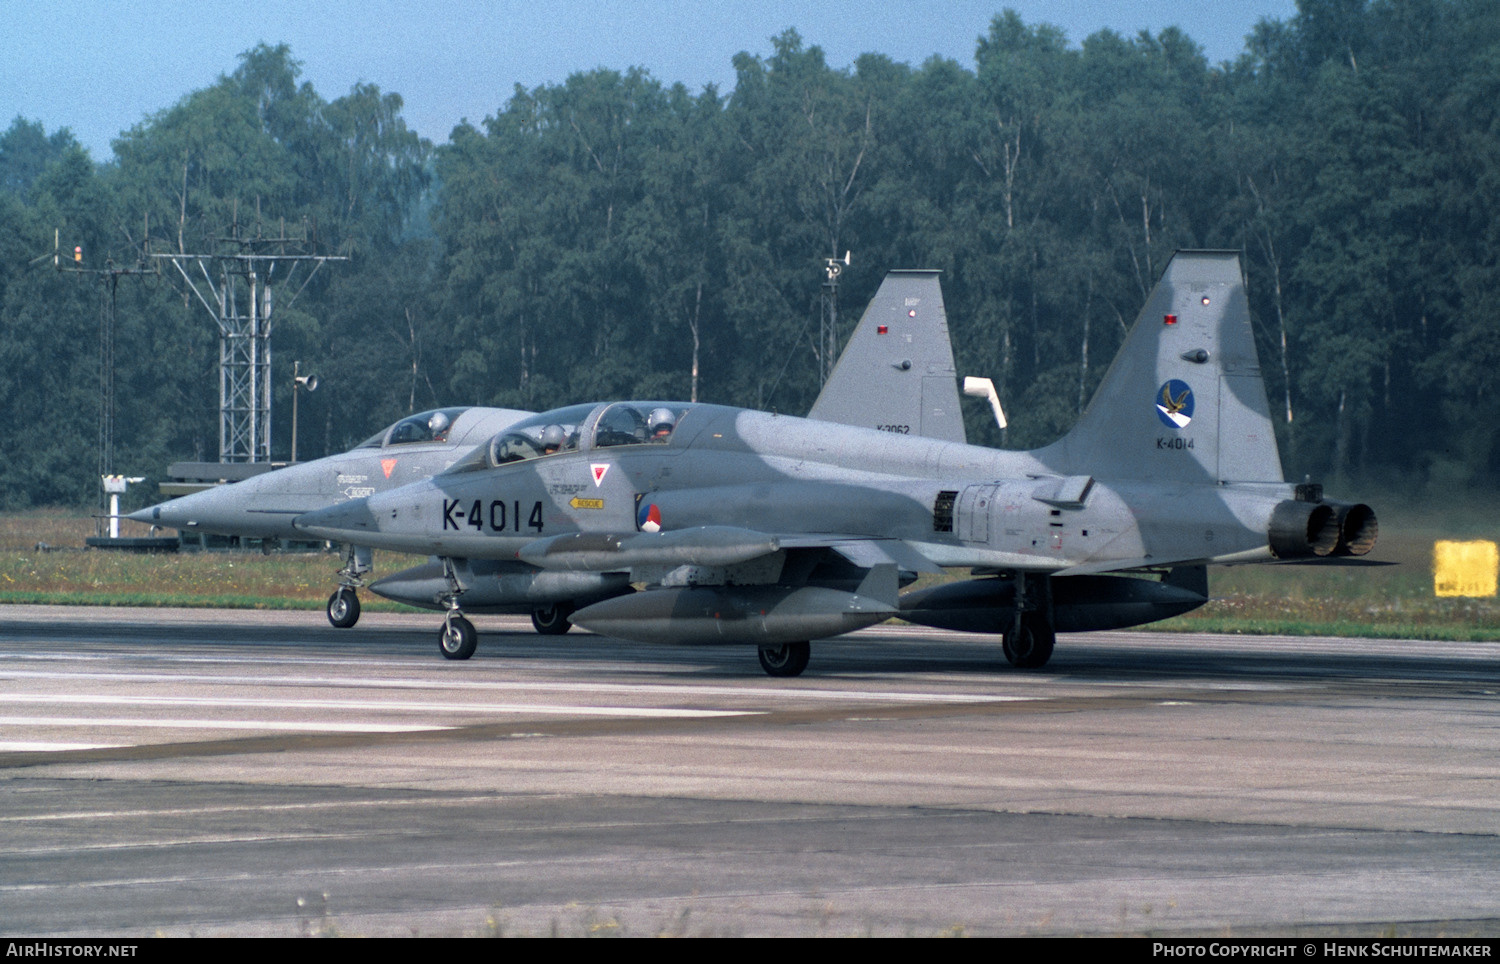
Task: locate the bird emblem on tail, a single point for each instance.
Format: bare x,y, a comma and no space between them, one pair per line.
1175,403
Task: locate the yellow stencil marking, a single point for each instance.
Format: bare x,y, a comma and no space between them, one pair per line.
1464,568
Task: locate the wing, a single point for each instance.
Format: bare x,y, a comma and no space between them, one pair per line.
709,546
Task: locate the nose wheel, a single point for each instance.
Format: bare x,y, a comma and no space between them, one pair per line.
457,639
343,608
343,605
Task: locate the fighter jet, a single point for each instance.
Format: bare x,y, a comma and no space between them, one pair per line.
760,529
896,373
263,506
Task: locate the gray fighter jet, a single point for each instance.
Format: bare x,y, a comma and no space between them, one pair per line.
761,529
896,373
264,506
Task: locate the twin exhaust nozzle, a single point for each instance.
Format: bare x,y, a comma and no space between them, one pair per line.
1320,529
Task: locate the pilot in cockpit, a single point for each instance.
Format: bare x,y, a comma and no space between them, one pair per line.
438,425
659,424
553,438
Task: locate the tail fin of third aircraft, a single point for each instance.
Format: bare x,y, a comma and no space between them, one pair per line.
897,371
1184,399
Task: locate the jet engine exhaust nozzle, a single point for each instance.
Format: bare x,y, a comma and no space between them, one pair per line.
1300,529
1320,529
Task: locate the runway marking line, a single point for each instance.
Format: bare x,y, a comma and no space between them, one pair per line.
631,689
334,726
366,705
37,746
575,728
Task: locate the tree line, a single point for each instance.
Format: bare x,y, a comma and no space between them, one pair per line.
612,236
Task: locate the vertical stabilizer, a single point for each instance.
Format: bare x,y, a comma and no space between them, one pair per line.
1184,400
897,372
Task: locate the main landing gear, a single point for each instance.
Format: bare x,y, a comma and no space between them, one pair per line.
788,659
552,620
1029,642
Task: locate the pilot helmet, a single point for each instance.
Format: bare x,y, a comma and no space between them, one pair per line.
661,421
438,424
553,438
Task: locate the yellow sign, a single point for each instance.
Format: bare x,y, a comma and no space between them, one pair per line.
1464,568
580,503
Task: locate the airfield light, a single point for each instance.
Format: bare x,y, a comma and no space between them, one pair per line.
1169,319
883,330
78,253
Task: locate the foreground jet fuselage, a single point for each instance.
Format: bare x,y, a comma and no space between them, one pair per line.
766,529
791,478
264,506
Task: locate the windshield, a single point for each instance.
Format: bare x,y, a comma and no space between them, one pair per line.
637,423
429,426
578,427
549,433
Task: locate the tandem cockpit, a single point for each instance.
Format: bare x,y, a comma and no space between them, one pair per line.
588,427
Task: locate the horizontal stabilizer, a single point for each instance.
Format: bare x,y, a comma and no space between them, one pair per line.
880,588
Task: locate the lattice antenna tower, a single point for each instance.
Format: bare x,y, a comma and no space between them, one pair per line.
234,279
109,283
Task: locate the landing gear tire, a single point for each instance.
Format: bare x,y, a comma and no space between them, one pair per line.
1031,646
457,639
788,659
343,608
552,620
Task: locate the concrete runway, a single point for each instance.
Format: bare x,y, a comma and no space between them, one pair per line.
214,772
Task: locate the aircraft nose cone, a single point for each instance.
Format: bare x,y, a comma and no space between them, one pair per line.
182,513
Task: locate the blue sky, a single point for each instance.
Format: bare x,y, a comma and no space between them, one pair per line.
102,66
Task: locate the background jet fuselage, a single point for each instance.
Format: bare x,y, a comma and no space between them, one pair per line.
263,507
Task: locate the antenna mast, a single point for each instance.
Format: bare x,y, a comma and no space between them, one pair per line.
828,329
233,280
109,283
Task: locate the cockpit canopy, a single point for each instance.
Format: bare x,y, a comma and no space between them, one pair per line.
578,427
430,426
531,438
